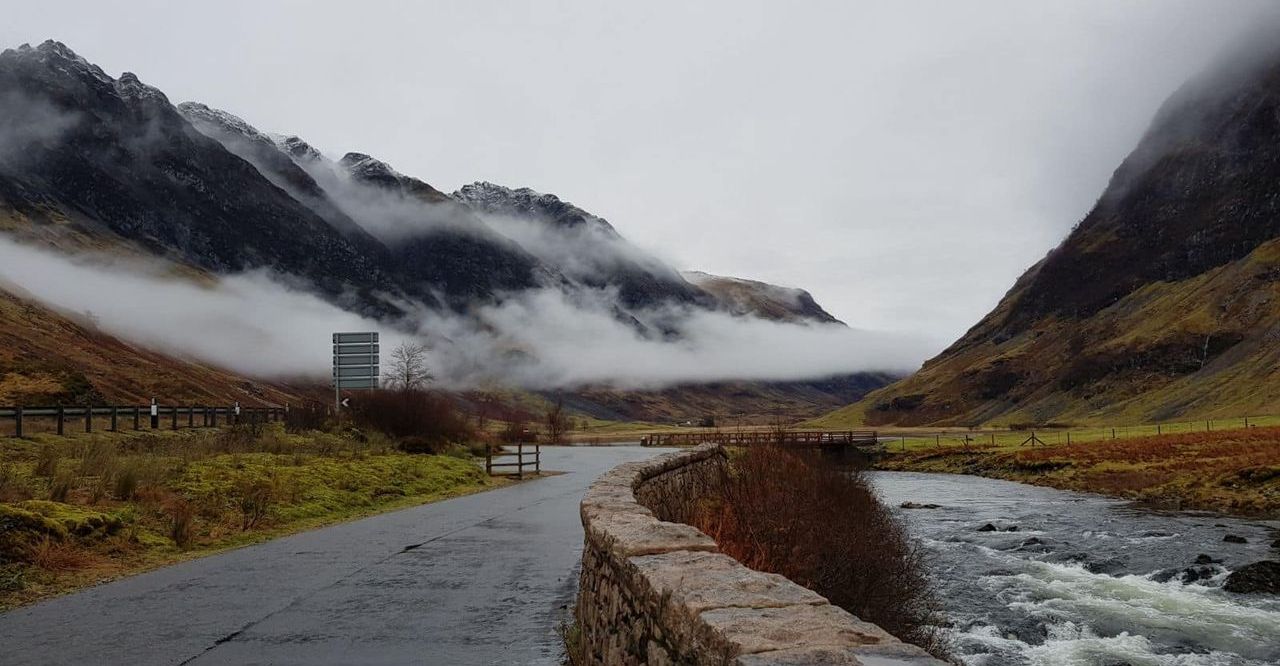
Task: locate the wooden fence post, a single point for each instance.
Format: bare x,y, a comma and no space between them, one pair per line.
191,416
173,418
88,418
17,422
62,417
537,458
137,412
520,460
115,419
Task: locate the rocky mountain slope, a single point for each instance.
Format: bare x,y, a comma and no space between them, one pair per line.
89,162
113,158
1163,303
100,161
761,299
580,245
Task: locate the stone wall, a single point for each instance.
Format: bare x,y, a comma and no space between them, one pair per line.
656,591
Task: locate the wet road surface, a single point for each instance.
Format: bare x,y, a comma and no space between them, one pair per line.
482,579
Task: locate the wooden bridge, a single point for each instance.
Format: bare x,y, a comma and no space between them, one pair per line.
804,439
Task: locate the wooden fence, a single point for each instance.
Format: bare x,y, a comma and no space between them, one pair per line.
796,438
1065,434
525,455
63,418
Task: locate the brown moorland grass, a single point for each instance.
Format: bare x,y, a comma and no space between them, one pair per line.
1235,471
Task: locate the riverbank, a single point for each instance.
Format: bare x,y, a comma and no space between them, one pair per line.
1233,471
77,511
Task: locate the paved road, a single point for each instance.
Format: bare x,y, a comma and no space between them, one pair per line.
482,579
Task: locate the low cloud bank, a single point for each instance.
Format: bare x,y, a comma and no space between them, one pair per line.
390,216
253,323
26,122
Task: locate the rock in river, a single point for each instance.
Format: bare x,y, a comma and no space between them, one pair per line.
1261,576
1231,538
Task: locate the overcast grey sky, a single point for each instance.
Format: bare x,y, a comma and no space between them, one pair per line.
904,161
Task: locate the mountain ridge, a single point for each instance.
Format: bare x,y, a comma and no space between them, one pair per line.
1163,303
91,163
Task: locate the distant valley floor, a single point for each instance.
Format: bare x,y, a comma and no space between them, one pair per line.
1232,471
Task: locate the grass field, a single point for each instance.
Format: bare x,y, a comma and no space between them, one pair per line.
78,510
1235,471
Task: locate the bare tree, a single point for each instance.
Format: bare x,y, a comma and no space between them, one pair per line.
557,422
408,367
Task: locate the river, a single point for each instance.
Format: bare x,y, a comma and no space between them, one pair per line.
1085,579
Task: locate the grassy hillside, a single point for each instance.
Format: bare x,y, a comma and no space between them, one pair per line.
48,357
1163,303
1203,347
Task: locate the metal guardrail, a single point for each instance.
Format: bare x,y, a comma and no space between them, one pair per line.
154,417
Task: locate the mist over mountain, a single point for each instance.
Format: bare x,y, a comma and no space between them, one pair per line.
1165,299
105,175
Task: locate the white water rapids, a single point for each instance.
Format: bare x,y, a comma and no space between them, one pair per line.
1085,580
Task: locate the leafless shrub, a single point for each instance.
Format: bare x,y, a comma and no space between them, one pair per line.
181,523
786,512
253,423
422,421
126,482
312,415
256,498
47,460
515,431
557,423
100,487
408,369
